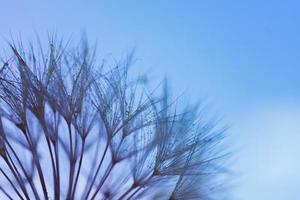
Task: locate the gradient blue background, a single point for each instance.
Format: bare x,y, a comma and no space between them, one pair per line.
243,56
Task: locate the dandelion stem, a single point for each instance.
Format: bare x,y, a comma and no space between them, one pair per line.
79,168
97,170
11,183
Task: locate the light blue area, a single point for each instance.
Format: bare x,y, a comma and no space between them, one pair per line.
241,55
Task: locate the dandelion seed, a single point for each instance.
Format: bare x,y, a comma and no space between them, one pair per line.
93,133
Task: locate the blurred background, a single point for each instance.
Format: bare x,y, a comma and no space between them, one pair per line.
243,57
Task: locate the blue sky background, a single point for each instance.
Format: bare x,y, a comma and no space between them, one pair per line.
243,56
